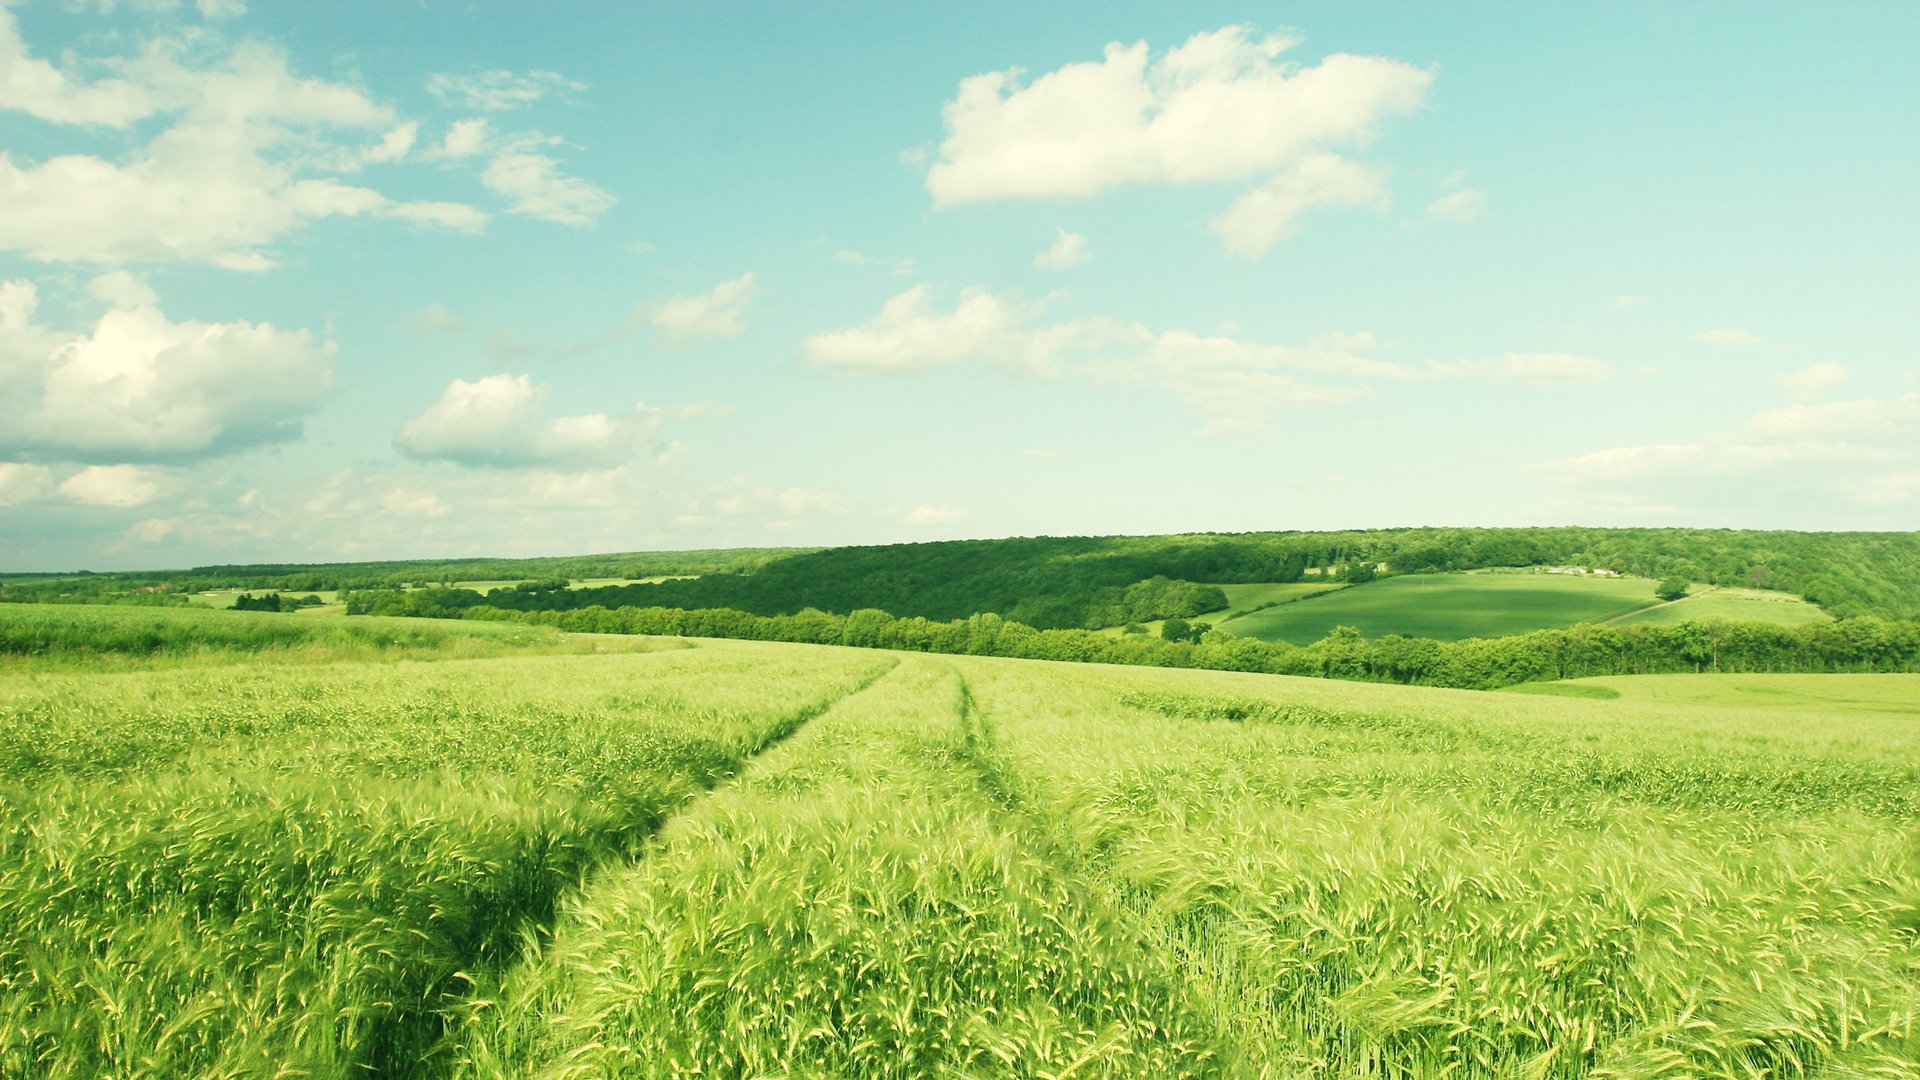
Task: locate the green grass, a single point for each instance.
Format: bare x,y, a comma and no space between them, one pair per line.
1810,695
750,859
299,872
1449,607
1735,605
52,636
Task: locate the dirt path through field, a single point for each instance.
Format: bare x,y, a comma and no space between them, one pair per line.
1661,604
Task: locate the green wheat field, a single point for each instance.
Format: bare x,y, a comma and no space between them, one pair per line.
462,850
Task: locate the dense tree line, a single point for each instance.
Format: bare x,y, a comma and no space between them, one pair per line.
1847,645
1066,582
171,586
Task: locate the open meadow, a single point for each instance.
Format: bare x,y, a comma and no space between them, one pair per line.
724,858
1449,607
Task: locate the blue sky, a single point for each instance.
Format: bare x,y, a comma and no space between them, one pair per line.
310,282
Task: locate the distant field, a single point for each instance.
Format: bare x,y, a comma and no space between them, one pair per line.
1449,607
1735,605
1242,598
582,583
224,598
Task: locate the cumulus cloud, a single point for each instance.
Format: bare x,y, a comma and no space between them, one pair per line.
141,387
1068,249
21,483
466,138
113,485
911,334
497,422
689,320
497,90
1726,337
1263,217
1812,381
1223,106
1463,205
247,152
522,172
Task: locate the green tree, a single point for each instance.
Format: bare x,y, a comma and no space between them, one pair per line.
1673,587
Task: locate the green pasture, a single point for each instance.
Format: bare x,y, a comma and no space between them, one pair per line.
750,859
1449,607
1734,605
53,636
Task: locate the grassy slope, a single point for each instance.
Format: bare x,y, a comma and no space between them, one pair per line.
1450,607
1735,605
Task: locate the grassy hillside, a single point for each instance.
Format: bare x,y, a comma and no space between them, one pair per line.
1450,607
756,859
1735,605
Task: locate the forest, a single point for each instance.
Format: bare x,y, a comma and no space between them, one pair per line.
1085,582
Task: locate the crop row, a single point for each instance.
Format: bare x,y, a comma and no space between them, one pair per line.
248,872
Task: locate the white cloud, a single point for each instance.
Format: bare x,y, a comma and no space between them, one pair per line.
34,86
1463,205
221,9
533,180
496,422
113,485
782,507
688,320
1812,381
227,175
1223,106
1861,450
21,483
435,318
1539,369
497,90
466,138
1725,337
1219,376
1068,249
929,514
1622,303
395,145
909,334
1263,217
141,387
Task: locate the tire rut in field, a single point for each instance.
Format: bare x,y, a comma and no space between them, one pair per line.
1023,816
542,920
